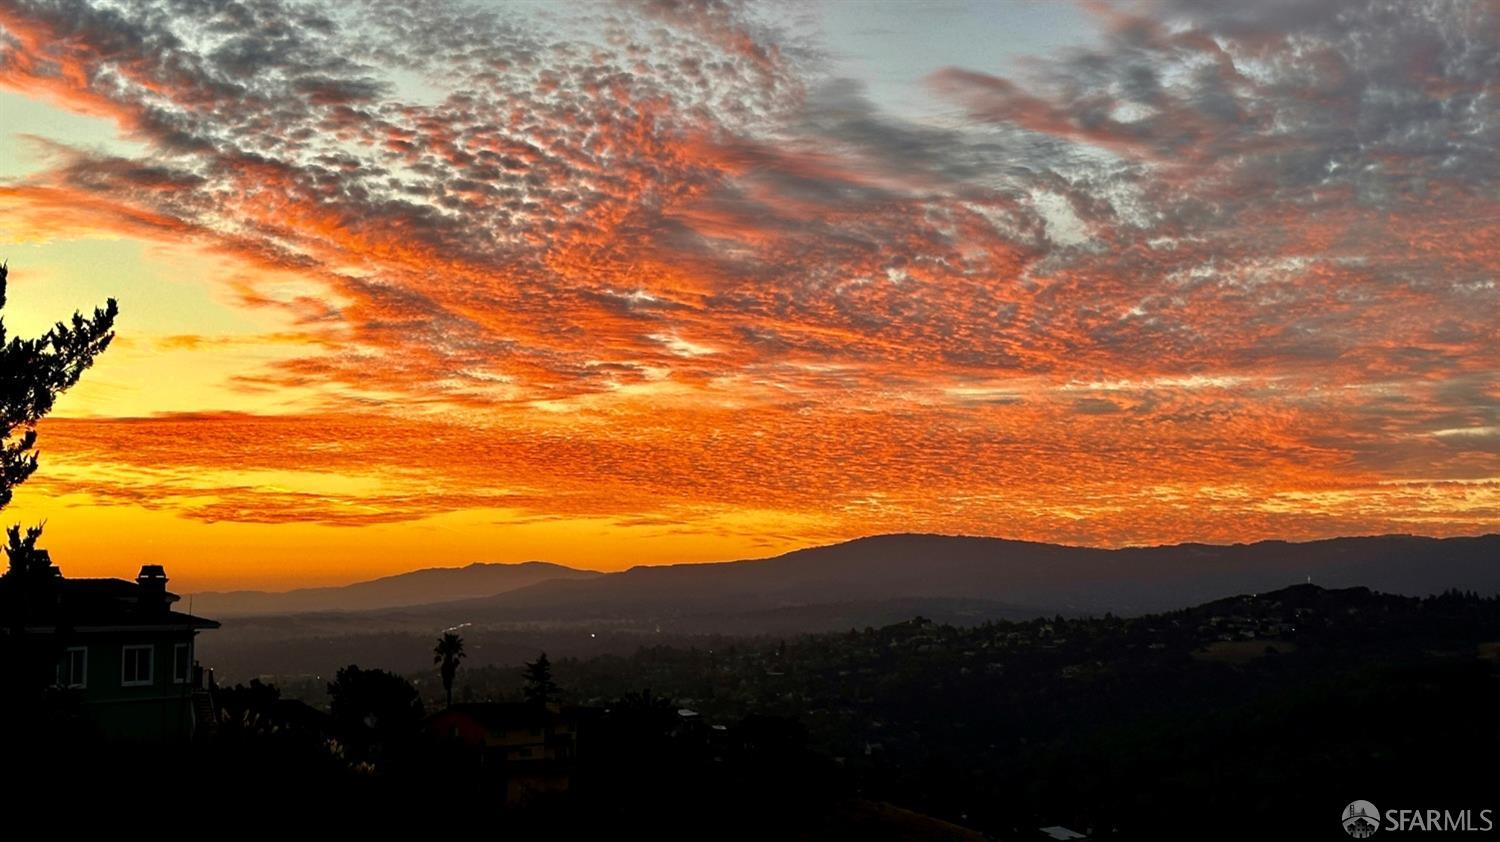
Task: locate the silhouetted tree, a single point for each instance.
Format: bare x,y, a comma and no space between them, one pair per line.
449,649
645,715
25,558
33,372
540,688
248,707
645,701
373,708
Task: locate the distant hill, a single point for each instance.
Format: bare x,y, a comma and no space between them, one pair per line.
869,581
436,584
1043,577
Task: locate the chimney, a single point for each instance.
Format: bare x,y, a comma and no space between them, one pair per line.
153,583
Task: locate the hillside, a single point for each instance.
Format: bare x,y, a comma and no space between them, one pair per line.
996,729
870,581
1109,722
437,584
1021,575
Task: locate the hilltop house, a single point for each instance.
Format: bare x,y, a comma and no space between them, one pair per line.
124,659
531,747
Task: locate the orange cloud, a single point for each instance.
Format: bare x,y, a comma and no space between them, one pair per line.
1224,276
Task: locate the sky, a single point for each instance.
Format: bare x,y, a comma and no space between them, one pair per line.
620,283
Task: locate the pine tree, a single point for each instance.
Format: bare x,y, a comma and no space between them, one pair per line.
540,689
33,372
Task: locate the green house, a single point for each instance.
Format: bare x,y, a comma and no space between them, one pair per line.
124,660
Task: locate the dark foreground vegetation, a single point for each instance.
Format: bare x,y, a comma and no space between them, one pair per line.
1274,709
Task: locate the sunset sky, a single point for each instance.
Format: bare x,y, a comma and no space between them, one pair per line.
415,284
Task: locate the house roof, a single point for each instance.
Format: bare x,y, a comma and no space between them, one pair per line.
44,603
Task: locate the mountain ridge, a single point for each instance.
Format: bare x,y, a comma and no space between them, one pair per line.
1078,579
961,580
413,587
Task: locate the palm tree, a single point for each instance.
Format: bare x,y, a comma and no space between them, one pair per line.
449,649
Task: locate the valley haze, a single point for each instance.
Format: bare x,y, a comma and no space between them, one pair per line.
510,611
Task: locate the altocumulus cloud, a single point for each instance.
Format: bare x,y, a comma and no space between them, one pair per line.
1230,253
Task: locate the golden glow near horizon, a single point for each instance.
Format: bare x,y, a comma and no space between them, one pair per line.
652,285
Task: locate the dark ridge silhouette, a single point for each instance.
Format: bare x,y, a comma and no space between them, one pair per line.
867,582
434,584
1019,575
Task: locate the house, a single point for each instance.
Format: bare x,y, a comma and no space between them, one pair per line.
531,747
1359,821
125,661
1360,827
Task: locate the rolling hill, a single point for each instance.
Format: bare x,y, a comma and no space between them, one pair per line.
1043,577
436,584
868,581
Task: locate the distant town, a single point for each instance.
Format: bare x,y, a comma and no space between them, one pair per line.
1045,728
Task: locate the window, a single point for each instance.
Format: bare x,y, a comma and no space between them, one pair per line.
135,666
72,669
182,664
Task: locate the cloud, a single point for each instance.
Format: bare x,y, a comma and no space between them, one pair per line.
731,281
